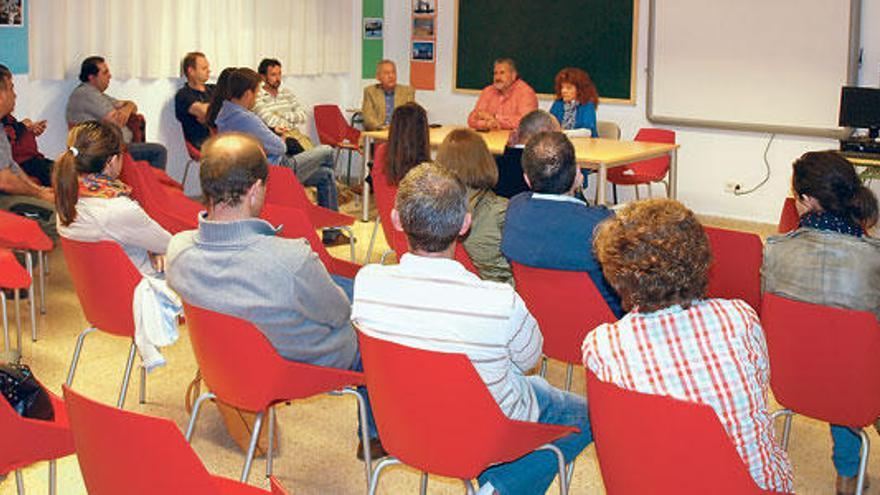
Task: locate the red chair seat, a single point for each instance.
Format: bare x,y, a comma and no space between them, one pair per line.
18,232
735,272
26,441
12,274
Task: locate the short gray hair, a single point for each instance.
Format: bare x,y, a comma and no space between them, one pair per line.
534,122
432,203
505,60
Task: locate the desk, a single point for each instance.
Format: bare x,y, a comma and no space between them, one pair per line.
593,153
872,166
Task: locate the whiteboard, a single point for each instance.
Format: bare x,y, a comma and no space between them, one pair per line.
752,65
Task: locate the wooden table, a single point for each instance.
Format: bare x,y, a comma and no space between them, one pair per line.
593,153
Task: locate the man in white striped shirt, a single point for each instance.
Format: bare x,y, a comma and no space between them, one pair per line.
430,301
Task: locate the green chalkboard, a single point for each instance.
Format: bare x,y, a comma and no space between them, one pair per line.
544,36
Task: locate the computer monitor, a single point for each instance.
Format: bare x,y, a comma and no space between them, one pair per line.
860,107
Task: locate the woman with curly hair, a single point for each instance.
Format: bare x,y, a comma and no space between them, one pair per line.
576,100
674,342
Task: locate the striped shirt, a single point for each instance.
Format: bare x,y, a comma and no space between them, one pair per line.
282,110
436,304
711,353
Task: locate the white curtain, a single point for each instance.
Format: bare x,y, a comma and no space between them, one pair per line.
147,38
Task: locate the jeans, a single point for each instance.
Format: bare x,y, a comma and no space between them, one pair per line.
372,431
534,472
154,153
845,451
346,284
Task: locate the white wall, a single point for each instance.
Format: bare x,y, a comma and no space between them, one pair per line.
707,159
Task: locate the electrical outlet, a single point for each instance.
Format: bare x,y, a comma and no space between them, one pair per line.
732,187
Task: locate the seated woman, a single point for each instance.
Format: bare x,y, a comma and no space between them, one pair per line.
675,342
465,153
836,212
576,100
231,109
94,205
408,142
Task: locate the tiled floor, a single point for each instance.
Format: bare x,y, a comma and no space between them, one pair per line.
317,435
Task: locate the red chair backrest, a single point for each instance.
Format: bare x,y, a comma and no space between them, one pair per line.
567,306
26,440
654,444
124,452
18,232
104,279
332,127
12,274
239,364
172,210
283,188
434,412
735,272
823,360
653,169
386,195
295,225
788,218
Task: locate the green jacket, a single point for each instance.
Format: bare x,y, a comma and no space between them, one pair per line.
483,241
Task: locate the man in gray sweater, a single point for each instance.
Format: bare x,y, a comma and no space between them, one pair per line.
236,265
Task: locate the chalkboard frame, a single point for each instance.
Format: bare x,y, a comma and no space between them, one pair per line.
633,73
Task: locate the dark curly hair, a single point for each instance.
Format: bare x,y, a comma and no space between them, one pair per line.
586,90
655,254
832,180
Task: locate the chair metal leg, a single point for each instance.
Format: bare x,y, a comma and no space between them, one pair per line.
19,482
40,264
637,192
76,350
365,434
142,397
126,377
53,476
5,322
569,471
560,464
185,173
385,256
423,484
252,447
469,487
17,296
568,374
374,483
372,241
786,428
613,193
195,414
543,371
351,239
271,448
863,462
29,262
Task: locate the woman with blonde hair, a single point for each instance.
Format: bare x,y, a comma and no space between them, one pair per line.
465,153
93,205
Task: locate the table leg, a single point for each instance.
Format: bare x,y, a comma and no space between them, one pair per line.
365,201
602,183
673,174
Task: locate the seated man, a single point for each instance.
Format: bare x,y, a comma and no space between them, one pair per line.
88,101
510,171
430,301
503,103
675,342
192,99
548,227
17,193
382,98
277,284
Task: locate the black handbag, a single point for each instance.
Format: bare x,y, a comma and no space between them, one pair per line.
24,393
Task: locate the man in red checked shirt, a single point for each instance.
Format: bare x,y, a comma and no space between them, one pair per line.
505,101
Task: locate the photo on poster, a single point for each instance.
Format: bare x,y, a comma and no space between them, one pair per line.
12,13
372,28
423,51
423,6
423,27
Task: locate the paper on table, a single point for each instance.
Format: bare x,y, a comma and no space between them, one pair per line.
576,133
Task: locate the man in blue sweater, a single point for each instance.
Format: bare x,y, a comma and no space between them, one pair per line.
548,227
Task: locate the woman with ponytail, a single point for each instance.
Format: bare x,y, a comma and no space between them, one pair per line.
837,214
94,205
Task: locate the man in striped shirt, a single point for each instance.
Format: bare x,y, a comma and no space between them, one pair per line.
674,342
430,301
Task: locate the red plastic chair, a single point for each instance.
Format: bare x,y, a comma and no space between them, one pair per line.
567,306
655,444
195,155
24,234
295,225
334,131
242,369
385,196
104,279
735,272
789,218
124,452
645,171
12,276
434,413
169,208
824,365
26,441
283,188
